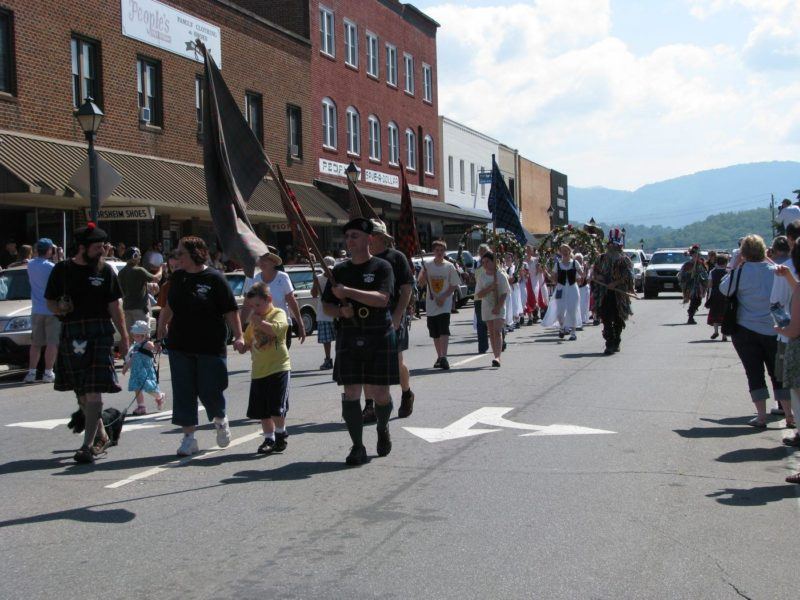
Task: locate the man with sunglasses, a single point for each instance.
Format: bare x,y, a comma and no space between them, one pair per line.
366,344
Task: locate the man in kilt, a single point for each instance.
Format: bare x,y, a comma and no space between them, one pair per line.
366,345
85,294
613,276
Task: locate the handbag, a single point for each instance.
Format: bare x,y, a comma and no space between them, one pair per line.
731,308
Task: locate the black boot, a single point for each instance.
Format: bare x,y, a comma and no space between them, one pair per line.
351,413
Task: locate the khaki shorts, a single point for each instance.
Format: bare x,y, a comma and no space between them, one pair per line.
131,316
45,330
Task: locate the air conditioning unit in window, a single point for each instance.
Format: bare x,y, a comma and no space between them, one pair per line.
144,114
294,150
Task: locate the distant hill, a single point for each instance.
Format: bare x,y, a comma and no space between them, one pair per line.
684,200
721,231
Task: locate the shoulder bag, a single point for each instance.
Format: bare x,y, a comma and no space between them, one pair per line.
731,307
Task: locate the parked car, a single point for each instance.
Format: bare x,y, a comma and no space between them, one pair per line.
637,258
661,274
469,263
302,280
15,315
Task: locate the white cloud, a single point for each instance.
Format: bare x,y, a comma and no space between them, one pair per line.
551,79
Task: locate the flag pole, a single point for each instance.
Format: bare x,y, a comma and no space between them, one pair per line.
494,230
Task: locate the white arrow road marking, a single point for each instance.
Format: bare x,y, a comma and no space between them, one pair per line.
182,461
49,424
132,422
493,415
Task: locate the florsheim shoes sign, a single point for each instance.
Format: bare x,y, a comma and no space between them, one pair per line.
162,26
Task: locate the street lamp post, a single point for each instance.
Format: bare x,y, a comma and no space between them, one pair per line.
550,213
352,172
90,117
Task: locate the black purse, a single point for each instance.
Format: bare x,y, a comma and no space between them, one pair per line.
731,308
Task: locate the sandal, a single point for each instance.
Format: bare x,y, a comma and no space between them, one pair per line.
140,411
793,478
791,424
754,422
160,401
100,446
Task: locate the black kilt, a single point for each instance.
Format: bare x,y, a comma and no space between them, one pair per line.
85,361
366,355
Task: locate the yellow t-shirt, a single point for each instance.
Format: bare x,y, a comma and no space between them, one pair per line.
269,355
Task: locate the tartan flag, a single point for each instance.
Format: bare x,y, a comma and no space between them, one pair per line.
407,240
234,164
359,206
501,205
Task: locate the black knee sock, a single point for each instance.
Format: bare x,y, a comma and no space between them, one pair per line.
351,413
383,412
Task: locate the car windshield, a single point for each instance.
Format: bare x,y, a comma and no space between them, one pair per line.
668,258
15,285
237,283
635,257
301,280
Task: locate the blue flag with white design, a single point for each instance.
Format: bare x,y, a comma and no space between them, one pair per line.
501,205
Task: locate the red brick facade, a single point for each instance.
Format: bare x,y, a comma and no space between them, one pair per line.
256,56
410,32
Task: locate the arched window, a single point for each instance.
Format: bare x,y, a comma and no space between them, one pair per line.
394,144
328,123
429,161
374,137
411,150
353,131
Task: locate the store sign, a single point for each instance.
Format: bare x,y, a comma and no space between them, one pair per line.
337,169
172,30
485,177
125,213
379,178
423,190
279,227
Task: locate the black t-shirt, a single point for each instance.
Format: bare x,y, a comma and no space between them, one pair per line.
375,275
401,270
91,289
199,302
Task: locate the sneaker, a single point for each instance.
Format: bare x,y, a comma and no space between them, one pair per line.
444,364
84,455
714,335
326,364
495,363
368,414
357,456
384,442
406,405
561,334
438,363
223,432
48,377
777,410
267,446
792,440
188,446
30,377
281,441
572,337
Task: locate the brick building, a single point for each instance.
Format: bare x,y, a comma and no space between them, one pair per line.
541,189
133,57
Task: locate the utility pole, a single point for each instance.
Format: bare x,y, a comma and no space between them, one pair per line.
772,212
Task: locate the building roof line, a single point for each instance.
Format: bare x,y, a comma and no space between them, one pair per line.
467,129
251,15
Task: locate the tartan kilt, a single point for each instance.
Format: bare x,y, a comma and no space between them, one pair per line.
375,364
325,332
85,362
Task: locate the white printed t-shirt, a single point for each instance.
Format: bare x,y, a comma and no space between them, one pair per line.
439,278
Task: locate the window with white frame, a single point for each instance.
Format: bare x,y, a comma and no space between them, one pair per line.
427,83
408,62
394,144
391,65
451,183
483,185
473,188
353,131
350,44
462,179
372,54
327,38
428,155
374,135
328,123
411,150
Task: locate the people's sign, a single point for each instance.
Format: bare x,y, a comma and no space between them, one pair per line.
164,27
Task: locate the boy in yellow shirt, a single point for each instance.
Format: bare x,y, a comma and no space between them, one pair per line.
265,338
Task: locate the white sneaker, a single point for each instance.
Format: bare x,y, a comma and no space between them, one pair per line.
188,446
223,432
30,377
48,377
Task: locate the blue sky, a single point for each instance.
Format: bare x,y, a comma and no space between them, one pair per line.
621,93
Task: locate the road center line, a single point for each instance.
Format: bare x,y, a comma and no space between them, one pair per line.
182,461
467,360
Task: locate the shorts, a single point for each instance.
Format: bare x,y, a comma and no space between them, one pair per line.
439,325
403,333
366,359
269,396
326,332
45,330
136,314
85,363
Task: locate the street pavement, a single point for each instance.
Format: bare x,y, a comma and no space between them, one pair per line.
674,497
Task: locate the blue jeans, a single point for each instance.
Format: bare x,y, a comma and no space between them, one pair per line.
196,376
483,332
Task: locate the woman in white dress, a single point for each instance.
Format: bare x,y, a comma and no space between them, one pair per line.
564,310
492,289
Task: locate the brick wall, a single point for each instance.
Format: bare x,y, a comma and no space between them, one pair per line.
290,14
393,23
255,57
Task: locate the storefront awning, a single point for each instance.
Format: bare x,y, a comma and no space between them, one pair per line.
421,207
31,165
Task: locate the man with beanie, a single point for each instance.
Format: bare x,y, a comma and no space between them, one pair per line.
45,328
366,345
84,293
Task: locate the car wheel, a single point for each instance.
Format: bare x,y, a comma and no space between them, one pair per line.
309,321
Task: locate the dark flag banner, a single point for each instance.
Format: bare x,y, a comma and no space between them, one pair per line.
234,164
407,240
501,205
297,222
359,206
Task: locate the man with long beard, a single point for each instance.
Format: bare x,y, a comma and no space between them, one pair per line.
85,294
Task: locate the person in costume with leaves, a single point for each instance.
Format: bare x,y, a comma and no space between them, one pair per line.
693,278
613,277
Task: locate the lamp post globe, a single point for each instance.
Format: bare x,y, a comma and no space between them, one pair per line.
89,117
352,172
